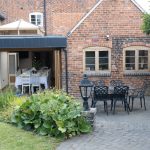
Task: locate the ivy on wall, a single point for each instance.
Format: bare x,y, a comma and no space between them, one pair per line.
146,24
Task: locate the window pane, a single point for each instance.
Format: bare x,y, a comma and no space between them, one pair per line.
90,54
143,59
103,67
130,66
39,17
130,53
12,64
38,22
130,60
33,19
143,66
103,54
103,60
90,60
143,53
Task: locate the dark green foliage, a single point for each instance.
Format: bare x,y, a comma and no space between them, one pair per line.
146,24
51,113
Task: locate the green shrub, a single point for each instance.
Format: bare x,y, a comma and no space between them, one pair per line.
6,112
51,113
6,97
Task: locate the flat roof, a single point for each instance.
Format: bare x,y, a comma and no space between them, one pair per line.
32,42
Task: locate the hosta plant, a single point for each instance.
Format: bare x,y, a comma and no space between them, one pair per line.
51,113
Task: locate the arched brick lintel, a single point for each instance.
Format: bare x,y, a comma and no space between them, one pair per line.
135,44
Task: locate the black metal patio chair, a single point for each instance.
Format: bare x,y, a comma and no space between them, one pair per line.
138,93
114,83
120,94
101,94
99,83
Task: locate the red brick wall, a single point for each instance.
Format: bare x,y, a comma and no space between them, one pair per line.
62,15
117,18
16,9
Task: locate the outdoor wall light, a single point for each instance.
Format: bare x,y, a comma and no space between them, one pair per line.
85,91
107,37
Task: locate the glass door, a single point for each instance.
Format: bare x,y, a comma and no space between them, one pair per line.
12,67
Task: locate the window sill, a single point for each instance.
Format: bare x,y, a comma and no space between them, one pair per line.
98,74
136,73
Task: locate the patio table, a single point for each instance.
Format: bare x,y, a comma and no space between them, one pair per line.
112,96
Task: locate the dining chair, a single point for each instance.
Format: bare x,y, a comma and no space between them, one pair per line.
101,94
114,83
18,72
120,94
44,68
26,82
35,83
24,70
138,93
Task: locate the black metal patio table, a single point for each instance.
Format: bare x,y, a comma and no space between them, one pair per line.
119,93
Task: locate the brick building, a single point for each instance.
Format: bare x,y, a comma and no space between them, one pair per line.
104,38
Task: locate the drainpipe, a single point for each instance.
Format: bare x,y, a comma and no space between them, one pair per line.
66,69
45,21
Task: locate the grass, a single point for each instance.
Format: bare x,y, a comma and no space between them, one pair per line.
12,138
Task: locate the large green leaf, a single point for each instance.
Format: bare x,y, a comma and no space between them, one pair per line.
63,130
43,131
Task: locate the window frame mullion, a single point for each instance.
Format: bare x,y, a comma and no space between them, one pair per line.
96,60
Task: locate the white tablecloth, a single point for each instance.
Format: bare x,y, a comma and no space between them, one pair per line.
43,78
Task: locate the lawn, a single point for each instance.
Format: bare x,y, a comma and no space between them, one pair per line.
12,138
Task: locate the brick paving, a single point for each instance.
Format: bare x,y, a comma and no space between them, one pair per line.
115,132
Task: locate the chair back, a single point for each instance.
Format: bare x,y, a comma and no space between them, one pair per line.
18,72
116,83
121,92
25,80
100,92
141,91
99,83
44,68
35,80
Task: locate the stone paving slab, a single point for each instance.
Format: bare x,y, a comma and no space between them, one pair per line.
115,132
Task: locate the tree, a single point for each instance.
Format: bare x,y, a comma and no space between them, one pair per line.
146,24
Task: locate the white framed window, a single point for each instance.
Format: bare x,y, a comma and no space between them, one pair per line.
136,59
36,18
97,59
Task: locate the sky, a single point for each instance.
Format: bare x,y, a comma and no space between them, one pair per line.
145,4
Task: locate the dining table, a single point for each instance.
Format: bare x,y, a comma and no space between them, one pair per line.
43,75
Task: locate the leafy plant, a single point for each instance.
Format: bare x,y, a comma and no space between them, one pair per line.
146,24
51,113
6,112
6,97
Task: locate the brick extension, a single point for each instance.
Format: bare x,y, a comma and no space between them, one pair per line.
120,19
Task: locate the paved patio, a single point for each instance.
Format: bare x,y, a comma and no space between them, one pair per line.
116,132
